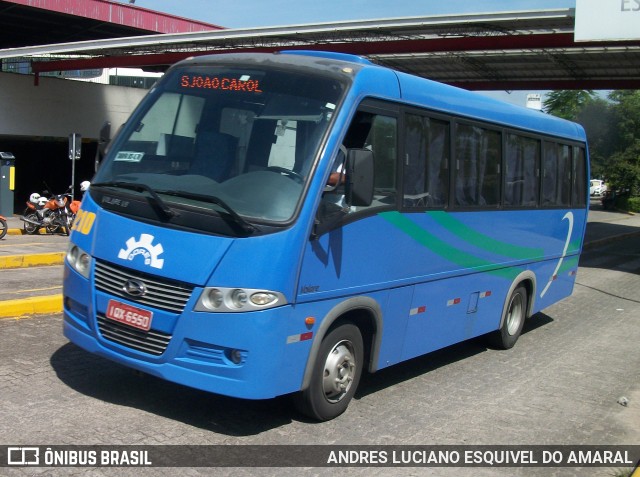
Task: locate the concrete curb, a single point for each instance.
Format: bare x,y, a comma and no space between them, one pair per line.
32,260
42,231
26,307
38,305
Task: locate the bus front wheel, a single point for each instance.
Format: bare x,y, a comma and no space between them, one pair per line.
512,322
335,376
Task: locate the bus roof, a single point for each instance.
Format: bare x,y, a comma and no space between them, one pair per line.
460,102
448,99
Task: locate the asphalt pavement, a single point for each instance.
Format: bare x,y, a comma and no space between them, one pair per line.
31,265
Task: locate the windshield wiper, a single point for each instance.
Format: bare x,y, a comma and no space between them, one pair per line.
156,201
246,226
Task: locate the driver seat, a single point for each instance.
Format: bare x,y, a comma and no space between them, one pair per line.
215,155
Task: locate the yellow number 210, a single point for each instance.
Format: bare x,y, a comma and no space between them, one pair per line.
84,222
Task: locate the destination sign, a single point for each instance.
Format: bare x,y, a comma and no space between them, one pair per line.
244,83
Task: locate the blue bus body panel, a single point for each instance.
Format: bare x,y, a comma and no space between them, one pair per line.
392,249
447,273
152,249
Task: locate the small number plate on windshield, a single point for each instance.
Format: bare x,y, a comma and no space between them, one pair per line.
129,315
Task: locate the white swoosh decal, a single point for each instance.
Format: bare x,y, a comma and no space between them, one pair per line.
569,217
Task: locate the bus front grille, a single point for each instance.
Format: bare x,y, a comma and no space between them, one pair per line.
152,342
161,293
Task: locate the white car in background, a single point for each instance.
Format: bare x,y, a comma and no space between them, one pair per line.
597,187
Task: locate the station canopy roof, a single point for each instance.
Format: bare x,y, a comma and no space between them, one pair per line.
521,50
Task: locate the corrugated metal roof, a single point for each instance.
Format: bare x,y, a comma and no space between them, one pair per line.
504,50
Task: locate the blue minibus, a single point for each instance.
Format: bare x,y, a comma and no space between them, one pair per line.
270,224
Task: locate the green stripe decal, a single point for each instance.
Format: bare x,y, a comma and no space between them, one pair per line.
574,246
443,249
482,241
569,264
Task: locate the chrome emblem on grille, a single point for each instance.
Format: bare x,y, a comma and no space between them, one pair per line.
135,288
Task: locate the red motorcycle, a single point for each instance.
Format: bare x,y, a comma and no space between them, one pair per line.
55,214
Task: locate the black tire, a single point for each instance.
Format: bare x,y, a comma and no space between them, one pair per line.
512,320
29,228
3,228
335,376
64,220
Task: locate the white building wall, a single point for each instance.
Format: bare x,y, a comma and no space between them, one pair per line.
58,107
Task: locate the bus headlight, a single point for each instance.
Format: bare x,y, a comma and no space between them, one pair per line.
79,260
263,298
239,298
225,300
212,298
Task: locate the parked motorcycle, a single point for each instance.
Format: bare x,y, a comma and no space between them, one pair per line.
3,226
54,213
33,215
74,205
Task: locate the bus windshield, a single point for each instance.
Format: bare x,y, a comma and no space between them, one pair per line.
224,140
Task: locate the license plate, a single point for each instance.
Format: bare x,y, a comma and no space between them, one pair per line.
129,315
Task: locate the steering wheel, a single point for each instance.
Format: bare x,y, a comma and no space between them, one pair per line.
287,172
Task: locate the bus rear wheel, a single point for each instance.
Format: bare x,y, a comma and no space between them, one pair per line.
335,375
512,321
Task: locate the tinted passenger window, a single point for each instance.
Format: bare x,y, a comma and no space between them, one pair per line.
521,174
579,198
426,165
556,175
477,174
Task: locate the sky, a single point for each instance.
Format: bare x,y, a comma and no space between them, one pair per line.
256,13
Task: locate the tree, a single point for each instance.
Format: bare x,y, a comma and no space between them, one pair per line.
598,119
613,132
567,103
624,166
626,107
595,115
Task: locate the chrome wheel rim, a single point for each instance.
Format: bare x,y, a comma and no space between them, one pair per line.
339,371
515,314
29,227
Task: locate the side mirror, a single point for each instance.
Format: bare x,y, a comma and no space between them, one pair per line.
358,191
104,138
105,134
360,177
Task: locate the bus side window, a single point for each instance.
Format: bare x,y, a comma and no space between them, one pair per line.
477,171
556,175
426,165
521,171
378,133
579,175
